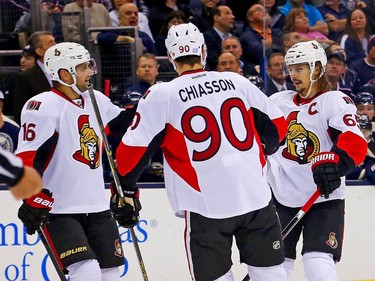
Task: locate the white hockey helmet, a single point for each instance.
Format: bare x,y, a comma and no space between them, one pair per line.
184,40
66,55
306,52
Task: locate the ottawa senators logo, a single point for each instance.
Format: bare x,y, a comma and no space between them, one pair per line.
89,141
332,241
302,145
118,249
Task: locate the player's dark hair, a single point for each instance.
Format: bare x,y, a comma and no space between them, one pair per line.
322,83
190,60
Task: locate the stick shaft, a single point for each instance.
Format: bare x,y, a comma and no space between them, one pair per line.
116,177
54,260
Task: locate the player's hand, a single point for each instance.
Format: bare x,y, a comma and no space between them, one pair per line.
326,172
126,213
34,212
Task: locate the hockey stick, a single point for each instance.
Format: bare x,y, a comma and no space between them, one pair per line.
48,247
115,176
295,219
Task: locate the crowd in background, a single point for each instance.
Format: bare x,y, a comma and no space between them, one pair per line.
247,37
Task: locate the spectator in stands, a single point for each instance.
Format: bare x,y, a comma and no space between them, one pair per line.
365,67
147,72
335,15
297,21
277,81
277,19
232,45
222,23
99,17
365,170
228,62
128,16
240,7
254,39
369,10
289,39
316,20
357,32
349,81
28,58
160,11
34,80
201,17
142,18
8,129
335,70
173,18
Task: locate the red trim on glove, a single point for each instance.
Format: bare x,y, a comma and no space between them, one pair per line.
324,157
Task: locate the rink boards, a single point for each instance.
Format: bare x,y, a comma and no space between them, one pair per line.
160,238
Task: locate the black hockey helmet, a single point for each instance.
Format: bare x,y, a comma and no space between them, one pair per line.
364,98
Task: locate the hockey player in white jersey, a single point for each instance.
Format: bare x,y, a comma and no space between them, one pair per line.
61,138
23,181
215,130
323,143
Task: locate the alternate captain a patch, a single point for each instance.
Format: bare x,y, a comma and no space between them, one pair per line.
33,105
89,152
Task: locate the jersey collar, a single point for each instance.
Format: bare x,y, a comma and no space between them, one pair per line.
57,92
300,101
192,71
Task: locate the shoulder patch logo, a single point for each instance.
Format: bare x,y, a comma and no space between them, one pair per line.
348,100
332,241
33,105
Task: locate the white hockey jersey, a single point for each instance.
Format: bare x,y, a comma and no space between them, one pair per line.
63,141
211,127
327,122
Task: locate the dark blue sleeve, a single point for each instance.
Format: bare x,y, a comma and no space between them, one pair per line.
107,37
370,169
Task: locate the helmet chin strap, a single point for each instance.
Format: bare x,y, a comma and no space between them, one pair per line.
73,85
312,81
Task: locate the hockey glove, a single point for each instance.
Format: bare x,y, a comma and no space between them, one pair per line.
326,172
34,212
126,213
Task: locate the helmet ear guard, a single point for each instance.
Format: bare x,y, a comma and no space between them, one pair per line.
185,40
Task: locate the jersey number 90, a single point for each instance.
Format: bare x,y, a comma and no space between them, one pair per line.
212,128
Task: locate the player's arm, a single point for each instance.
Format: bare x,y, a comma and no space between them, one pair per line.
23,181
268,120
36,142
348,150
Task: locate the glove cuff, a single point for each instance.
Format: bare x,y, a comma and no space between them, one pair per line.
324,157
43,200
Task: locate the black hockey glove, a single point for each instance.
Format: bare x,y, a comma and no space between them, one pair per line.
34,212
326,172
126,213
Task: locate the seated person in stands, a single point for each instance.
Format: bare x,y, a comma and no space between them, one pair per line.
128,16
365,170
228,62
8,130
297,21
173,18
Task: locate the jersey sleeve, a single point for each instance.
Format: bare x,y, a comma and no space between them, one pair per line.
268,118
11,168
39,133
347,138
143,137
